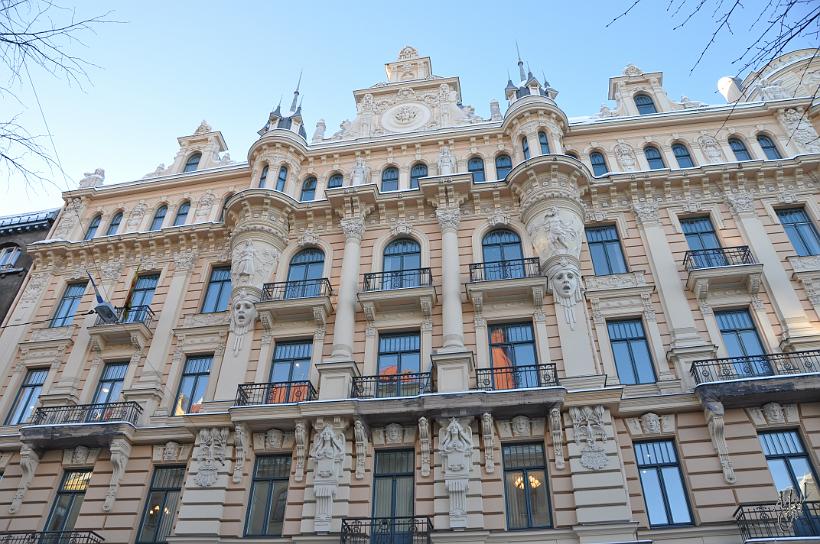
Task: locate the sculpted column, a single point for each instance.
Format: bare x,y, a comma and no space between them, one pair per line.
335,375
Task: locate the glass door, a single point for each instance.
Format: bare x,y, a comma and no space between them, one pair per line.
393,498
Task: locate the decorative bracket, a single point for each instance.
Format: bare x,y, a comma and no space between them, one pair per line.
120,452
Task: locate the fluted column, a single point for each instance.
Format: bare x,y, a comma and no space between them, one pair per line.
343,329
453,324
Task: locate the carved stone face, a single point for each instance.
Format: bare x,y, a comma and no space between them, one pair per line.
393,433
244,312
566,282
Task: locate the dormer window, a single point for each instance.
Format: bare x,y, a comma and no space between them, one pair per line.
645,104
193,162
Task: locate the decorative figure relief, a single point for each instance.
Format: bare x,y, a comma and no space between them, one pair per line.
557,430
28,466
204,206
714,418
68,218
240,441
426,445
183,260
353,228
565,284
626,156
498,218
393,433
308,238
711,148
328,453
243,316
651,423
136,215
111,270
495,110
632,70
360,436
212,445
741,202
800,129
274,439
590,435
646,211
456,448
319,133
120,452
772,90
521,426
446,162
774,413
92,179
156,172
79,455
170,452
488,435
360,174
400,226
300,441
448,218
34,288
203,128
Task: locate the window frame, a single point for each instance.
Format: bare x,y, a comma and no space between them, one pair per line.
741,148
222,283
269,496
192,165
18,396
776,155
114,224
687,155
263,176
309,186
58,320
654,162
629,342
331,180
181,217
525,147
399,353
544,142
164,490
792,227
93,227
607,246
385,179
282,178
393,476
416,175
471,163
73,494
159,215
596,166
102,380
664,494
525,474
198,376
806,454
9,255
647,104
506,169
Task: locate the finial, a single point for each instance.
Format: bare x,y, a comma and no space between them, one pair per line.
520,63
299,82
296,93
517,51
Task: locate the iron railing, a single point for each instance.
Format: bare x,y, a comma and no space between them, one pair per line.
288,290
505,270
391,385
396,530
397,279
50,537
782,519
7,267
697,259
132,314
275,393
756,366
516,377
126,412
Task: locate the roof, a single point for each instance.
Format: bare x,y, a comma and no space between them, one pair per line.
30,221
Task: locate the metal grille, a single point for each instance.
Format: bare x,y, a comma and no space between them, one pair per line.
712,258
391,385
754,366
396,530
275,393
127,412
505,270
287,290
133,314
50,537
516,377
397,279
788,517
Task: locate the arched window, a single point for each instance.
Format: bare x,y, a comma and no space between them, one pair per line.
476,167
739,149
305,274
263,177
335,180
390,179
193,162
159,218
308,189
224,205
653,157
92,227
525,147
503,165
114,225
402,264
572,154
418,171
8,257
768,147
645,104
503,257
282,178
598,161
682,156
182,213
545,144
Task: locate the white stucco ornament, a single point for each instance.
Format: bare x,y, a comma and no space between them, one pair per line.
213,444
328,453
590,435
360,174
800,129
92,179
456,447
446,162
565,284
243,316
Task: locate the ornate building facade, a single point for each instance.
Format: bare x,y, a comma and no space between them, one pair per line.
431,326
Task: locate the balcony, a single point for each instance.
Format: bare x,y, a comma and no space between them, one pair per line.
397,291
398,530
784,377
777,521
518,280
250,394
725,267
301,300
83,424
516,377
391,386
50,537
132,324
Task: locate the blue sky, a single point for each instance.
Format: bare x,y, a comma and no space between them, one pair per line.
169,65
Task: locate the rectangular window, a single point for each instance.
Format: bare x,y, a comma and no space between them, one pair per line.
110,384
512,356
701,238
605,249
789,464
269,496
192,385
801,231
393,496
66,505
219,290
8,257
743,343
27,396
68,304
399,355
525,486
291,363
631,351
140,298
161,506
662,483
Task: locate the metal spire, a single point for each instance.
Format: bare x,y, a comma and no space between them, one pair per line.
296,93
520,63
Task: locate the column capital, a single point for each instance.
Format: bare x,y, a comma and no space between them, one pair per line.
353,228
448,218
646,212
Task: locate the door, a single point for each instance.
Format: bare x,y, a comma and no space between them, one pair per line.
393,498
503,257
402,261
291,363
743,343
304,273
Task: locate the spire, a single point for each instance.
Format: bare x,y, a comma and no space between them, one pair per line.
520,63
293,104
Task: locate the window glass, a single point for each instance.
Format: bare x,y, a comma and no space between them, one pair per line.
305,271
417,172
308,190
390,179
703,241
742,342
114,225
525,147
110,385
513,357
645,104
193,163
281,178
631,351
269,496
334,181
263,177
9,256
92,227
789,463
27,396
598,161
182,214
68,304
503,165
219,290
161,505
544,142
739,149
605,249
683,156
393,496
503,256
401,264
159,218
653,157
66,505
476,167
768,147
291,363
140,298
525,486
192,385
801,231
662,483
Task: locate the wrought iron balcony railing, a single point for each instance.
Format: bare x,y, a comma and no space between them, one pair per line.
756,366
275,393
516,377
397,279
505,270
132,314
391,385
397,530
781,519
111,412
713,258
288,290
50,537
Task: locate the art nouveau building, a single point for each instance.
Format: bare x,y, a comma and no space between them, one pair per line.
435,327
